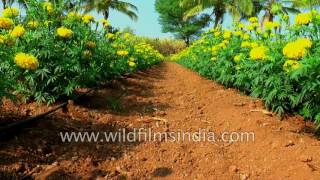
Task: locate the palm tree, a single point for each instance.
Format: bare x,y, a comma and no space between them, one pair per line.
273,8
306,4
104,6
6,3
241,9
219,8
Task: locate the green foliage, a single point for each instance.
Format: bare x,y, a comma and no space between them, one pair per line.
234,61
83,59
104,6
172,20
165,46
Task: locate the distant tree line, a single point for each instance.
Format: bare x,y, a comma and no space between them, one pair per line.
186,18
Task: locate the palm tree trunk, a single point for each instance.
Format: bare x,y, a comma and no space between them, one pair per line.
218,13
25,4
216,22
187,41
106,14
4,3
268,16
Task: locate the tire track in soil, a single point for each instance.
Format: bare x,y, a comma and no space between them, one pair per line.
281,150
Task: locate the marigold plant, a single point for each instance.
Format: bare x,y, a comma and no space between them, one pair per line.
64,32
26,61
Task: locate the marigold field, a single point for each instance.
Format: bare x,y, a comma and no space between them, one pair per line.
275,61
160,89
49,52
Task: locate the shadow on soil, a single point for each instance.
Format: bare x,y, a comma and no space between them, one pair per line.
41,144
127,96
162,172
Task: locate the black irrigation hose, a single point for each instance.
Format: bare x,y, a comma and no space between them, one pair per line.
12,129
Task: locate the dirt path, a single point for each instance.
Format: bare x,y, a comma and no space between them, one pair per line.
166,98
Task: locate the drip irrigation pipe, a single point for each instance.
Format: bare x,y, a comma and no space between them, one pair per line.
10,130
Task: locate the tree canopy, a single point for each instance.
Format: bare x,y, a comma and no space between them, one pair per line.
173,21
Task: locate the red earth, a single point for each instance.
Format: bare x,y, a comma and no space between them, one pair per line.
166,98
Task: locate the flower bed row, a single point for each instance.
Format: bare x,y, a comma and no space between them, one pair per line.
51,51
278,62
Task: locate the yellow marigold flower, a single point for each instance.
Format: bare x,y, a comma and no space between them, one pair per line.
258,53
48,7
87,18
291,65
132,64
18,31
303,19
105,22
10,12
74,16
250,27
227,34
122,53
238,33
304,42
126,35
225,41
245,44
91,44
293,50
64,32
222,45
110,36
33,24
276,24
214,48
254,44
253,19
5,23
246,36
255,25
26,61
241,25
269,25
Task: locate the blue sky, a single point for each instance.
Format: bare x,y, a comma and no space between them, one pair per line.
147,24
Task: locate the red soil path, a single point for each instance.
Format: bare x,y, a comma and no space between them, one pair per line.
167,98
